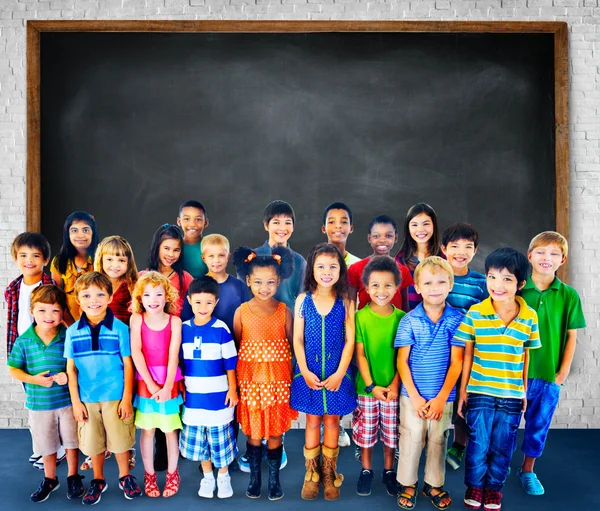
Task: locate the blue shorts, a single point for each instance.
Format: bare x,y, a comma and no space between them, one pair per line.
542,400
204,443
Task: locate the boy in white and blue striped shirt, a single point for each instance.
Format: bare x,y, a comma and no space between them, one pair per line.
209,359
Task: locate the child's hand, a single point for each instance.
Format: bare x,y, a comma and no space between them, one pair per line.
125,410
80,412
153,387
60,378
162,395
462,404
231,399
42,380
436,408
334,382
392,394
560,378
420,406
380,393
312,381
524,405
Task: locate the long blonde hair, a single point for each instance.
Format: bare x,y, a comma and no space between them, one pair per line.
120,247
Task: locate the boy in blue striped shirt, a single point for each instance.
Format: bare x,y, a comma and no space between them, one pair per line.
209,359
459,244
429,362
37,360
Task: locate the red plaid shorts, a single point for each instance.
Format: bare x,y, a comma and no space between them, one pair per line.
372,415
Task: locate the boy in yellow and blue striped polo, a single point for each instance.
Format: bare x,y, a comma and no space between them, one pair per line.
498,334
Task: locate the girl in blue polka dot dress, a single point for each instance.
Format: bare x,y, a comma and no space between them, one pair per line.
322,386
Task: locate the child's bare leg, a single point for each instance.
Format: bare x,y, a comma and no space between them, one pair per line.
366,457
274,441
172,450
207,467
255,441
72,461
527,465
389,457
98,465
123,463
223,470
332,431
147,449
49,466
312,433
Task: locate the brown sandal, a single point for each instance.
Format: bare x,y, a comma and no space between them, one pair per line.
151,488
172,484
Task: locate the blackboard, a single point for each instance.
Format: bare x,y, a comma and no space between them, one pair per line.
134,123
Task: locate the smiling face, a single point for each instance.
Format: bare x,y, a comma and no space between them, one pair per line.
93,301
381,287
169,252
433,286
545,260
193,221
421,228
382,238
459,254
154,299
326,270
80,234
280,229
203,305
263,282
215,257
47,316
114,266
337,226
30,261
502,285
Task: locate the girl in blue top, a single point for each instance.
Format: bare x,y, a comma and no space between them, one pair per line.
323,344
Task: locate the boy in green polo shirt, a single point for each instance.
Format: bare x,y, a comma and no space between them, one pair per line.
559,315
37,360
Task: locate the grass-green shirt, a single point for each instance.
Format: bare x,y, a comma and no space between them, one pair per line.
559,310
377,333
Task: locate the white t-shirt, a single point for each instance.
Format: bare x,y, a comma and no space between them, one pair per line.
25,318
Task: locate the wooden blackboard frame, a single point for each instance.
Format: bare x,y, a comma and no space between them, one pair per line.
561,79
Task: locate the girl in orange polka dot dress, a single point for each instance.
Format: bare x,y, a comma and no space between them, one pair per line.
263,327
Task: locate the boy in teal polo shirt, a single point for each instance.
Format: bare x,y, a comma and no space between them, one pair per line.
193,220
37,360
559,315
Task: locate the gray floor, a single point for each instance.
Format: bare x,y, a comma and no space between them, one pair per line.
570,470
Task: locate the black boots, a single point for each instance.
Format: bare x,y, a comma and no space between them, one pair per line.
274,461
254,453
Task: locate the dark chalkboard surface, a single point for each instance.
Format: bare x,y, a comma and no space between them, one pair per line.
133,124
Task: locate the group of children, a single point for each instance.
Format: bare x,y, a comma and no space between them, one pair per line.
186,353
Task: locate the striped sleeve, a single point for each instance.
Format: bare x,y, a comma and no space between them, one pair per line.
534,336
466,330
454,341
404,334
16,359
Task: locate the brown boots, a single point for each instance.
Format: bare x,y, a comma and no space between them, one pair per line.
312,478
331,479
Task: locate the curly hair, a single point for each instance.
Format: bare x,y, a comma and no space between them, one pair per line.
245,260
154,279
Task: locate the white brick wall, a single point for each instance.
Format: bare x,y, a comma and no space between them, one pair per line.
580,407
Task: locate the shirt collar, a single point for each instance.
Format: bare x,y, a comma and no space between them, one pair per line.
487,309
419,311
556,284
30,333
107,321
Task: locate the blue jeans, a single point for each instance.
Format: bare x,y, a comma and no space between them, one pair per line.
492,425
542,400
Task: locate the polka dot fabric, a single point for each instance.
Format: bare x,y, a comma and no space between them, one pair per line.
324,340
264,375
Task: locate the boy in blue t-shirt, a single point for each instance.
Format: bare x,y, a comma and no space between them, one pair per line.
101,377
209,360
459,245
429,362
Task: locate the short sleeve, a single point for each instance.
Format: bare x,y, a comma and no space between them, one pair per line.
68,351
576,317
466,330
359,338
534,335
228,351
452,328
16,359
54,265
354,276
407,279
404,334
124,345
242,291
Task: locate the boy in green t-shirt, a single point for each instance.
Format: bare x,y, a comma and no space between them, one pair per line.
559,316
377,381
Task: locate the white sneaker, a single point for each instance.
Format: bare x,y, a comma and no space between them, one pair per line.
207,488
224,489
344,438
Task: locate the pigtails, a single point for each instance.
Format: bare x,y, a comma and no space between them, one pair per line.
285,266
241,260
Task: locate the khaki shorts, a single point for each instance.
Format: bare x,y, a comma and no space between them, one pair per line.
104,430
52,428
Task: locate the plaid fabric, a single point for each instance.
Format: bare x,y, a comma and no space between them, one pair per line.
372,415
493,498
203,443
473,497
11,295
